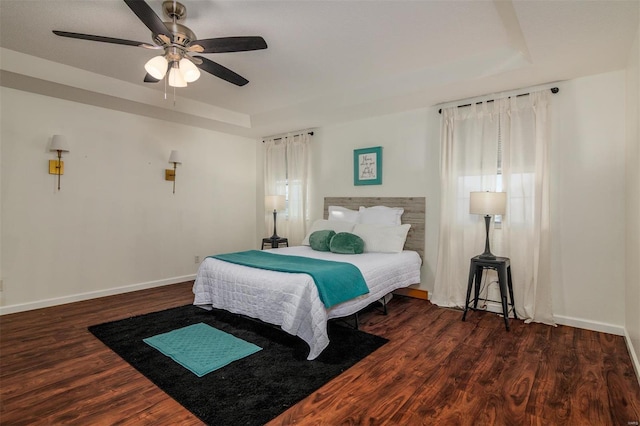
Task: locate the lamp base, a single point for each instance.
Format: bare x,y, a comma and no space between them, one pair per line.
274,237
487,249
487,256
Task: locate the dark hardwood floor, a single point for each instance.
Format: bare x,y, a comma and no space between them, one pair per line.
436,370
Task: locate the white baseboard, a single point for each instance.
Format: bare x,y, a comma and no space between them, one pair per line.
590,325
632,353
569,321
21,307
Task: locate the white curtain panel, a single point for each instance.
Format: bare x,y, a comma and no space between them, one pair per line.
469,162
287,171
526,227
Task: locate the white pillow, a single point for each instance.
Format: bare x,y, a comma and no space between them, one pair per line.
323,224
381,215
381,238
343,214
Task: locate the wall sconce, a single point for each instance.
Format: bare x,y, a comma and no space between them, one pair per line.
56,167
171,174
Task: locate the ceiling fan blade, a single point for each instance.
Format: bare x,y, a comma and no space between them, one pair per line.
150,79
148,17
228,44
221,72
104,39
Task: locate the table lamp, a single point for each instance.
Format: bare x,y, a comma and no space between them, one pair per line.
275,203
488,204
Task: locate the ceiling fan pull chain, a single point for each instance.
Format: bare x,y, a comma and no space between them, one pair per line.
165,88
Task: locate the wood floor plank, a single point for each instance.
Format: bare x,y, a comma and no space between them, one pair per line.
435,369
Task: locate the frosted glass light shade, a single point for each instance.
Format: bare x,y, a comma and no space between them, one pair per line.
174,157
59,143
274,202
488,203
175,77
156,67
189,71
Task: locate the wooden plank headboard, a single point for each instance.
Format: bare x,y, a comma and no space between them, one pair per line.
414,214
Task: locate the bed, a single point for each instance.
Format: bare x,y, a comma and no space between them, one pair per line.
291,300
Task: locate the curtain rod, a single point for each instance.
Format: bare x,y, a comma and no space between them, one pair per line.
553,90
296,134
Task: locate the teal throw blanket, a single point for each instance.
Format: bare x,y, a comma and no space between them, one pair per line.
337,282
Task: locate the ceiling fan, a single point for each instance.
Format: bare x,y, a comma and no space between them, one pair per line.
179,44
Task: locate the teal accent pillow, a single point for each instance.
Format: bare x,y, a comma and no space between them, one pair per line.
320,240
346,243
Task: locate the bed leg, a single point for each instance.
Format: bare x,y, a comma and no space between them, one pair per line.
383,300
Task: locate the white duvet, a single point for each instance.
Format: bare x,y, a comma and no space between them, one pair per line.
291,300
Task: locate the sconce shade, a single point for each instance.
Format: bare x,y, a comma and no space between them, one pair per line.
156,67
488,203
59,143
174,157
274,202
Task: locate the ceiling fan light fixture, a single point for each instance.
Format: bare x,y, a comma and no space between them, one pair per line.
156,67
178,42
189,71
175,77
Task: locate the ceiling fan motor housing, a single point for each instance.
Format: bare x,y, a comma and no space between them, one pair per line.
182,35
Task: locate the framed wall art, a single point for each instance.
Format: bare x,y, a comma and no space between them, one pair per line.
367,166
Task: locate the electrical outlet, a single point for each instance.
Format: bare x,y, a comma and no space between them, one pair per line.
197,260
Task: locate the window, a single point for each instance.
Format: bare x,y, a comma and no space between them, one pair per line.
287,173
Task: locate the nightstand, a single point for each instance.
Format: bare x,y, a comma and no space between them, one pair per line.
274,242
503,266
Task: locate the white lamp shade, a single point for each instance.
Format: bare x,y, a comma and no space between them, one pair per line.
175,77
274,202
156,67
59,143
189,71
174,157
488,203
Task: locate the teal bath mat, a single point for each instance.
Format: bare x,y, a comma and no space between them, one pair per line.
201,348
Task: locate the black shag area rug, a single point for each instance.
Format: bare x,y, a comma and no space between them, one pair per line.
250,391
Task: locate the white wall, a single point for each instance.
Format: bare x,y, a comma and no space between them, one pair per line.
587,169
632,287
410,153
587,200
115,224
